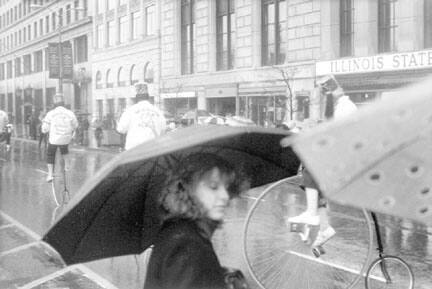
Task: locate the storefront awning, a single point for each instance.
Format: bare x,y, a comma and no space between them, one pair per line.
378,81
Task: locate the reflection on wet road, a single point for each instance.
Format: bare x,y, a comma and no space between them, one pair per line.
28,207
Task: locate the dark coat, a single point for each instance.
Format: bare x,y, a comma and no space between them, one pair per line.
183,258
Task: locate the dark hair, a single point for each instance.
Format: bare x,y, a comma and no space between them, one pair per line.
176,198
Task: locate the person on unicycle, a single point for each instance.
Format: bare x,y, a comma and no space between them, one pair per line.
60,123
338,105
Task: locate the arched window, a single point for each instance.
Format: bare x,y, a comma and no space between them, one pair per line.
133,75
121,77
98,80
148,73
109,79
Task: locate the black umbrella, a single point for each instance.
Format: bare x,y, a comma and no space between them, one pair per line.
115,214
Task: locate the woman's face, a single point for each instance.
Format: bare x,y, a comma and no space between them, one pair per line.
213,195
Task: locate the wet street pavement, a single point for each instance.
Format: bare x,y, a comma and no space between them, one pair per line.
28,206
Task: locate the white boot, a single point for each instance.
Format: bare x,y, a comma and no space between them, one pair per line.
324,236
310,216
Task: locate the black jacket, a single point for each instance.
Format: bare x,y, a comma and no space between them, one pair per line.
183,257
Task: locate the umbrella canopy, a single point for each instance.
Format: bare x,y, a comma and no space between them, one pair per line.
379,158
115,213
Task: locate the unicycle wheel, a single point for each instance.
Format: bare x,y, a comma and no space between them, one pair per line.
389,272
277,257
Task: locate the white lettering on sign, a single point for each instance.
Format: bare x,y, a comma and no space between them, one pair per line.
385,62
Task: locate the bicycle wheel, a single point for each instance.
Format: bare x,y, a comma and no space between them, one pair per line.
389,272
278,258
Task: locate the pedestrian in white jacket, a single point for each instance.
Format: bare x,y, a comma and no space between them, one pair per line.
60,123
141,122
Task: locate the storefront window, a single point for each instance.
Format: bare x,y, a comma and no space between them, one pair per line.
179,106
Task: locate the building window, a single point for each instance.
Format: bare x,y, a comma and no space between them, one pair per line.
99,32
46,58
100,108
68,14
346,27
109,79
428,24
187,36
80,49
136,27
35,29
121,77
2,71
150,20
110,106
133,75
18,66
273,32
9,69
27,64
386,26
53,20
37,57
60,15
123,29
121,105
110,33
40,26
98,80
76,11
47,24
19,37
148,73
225,34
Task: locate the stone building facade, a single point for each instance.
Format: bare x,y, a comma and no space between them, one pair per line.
26,30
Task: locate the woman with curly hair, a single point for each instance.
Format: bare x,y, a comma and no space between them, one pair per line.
194,199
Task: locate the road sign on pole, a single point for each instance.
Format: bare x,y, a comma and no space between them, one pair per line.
53,60
66,71
67,64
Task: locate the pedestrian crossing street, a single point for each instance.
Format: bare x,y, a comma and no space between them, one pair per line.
26,263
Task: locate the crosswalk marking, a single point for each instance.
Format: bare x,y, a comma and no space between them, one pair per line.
47,278
85,270
343,268
19,248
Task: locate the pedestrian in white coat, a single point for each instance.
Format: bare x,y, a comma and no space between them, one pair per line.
141,122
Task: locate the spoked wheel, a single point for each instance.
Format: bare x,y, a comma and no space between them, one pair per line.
389,272
278,258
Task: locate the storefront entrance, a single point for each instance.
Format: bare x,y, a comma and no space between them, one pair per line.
221,105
